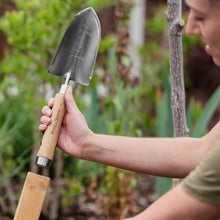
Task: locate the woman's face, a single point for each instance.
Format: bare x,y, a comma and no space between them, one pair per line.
204,20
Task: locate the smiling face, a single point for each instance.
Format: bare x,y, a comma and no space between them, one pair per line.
204,20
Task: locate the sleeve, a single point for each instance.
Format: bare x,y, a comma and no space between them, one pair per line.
203,183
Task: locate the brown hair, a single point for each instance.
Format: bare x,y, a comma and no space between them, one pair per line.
214,1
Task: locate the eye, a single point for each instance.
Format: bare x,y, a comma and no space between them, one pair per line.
197,18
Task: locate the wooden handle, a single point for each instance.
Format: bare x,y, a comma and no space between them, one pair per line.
32,197
49,140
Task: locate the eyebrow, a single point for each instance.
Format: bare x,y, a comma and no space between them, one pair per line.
195,9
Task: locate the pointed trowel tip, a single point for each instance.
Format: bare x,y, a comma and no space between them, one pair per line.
89,9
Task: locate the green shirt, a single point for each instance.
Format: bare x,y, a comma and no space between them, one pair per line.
203,183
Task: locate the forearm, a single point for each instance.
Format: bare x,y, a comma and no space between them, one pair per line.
176,204
171,157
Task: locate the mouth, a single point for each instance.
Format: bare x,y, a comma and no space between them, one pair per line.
208,47
212,51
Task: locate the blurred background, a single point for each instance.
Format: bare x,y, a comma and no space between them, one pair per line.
129,95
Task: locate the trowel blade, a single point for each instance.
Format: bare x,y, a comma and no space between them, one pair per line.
78,48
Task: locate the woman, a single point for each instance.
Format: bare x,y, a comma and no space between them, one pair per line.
198,196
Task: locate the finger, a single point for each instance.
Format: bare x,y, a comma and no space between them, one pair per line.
51,102
45,120
47,111
70,102
42,127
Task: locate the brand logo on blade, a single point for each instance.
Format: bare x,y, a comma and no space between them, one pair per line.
55,122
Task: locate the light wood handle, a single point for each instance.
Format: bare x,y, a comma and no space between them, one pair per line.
49,140
32,197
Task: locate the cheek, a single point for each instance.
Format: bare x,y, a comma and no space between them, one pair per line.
216,42
211,36
212,32
218,38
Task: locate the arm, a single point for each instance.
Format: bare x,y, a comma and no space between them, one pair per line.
171,157
176,204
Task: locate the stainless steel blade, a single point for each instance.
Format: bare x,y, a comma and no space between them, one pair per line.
78,49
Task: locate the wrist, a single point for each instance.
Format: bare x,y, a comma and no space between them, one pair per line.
98,148
88,146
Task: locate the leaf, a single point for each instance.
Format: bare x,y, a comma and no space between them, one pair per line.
207,114
165,129
189,112
164,114
163,185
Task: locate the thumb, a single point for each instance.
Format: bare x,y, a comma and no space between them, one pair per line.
68,97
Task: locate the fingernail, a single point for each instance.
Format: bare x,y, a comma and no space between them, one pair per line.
48,112
50,102
42,127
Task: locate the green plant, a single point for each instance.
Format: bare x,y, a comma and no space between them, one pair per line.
15,146
16,127
200,127
120,187
165,127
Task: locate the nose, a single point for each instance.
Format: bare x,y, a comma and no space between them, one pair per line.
192,26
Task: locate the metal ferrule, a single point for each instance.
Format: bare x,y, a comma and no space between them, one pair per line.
42,162
63,88
65,85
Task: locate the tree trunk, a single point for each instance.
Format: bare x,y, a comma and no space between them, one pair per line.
176,25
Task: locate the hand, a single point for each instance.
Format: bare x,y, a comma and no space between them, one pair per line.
74,129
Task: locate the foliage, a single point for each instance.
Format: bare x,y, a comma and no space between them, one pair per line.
16,139
34,30
199,129
120,186
165,128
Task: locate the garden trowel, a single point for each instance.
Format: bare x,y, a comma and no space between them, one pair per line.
74,60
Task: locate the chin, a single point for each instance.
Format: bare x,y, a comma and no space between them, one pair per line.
216,61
